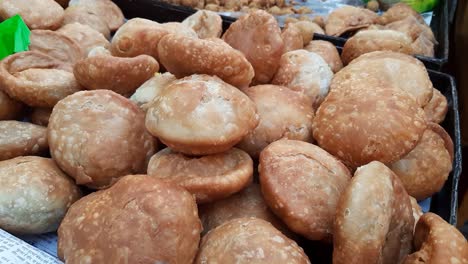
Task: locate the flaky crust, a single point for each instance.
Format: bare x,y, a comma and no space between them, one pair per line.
40,116
9,108
98,136
138,220
282,112
307,29
207,24
417,210
35,196
210,119
204,56
398,11
21,139
436,109
209,178
121,75
348,18
374,220
151,89
328,52
258,36
37,14
80,14
248,240
36,79
104,9
292,38
56,45
85,36
302,183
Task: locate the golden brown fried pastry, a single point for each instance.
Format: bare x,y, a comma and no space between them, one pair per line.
141,36
80,14
138,220
319,20
292,38
40,116
425,169
99,136
37,14
436,241
437,107
56,45
283,113
349,18
149,90
249,240
328,52
9,108
374,219
398,12
308,29
208,178
35,195
121,75
105,9
258,36
211,118
36,79
207,24
305,72
21,139
366,41
417,210
85,36
302,183
204,56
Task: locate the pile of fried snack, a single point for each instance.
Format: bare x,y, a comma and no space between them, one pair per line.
269,141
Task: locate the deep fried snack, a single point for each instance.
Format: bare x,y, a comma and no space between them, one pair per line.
283,113
374,219
258,36
349,18
308,29
37,14
99,136
151,89
9,108
292,38
417,210
80,14
36,79
105,9
328,52
40,116
21,139
397,12
138,220
36,194
56,45
209,178
437,107
249,240
207,24
211,118
204,56
85,36
302,183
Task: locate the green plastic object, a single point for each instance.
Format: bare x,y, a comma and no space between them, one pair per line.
14,36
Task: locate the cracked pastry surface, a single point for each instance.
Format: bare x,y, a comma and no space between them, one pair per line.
37,14
21,139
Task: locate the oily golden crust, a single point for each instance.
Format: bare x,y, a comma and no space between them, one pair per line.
37,14
398,12
104,9
436,109
85,36
366,41
9,108
348,18
328,52
302,183
36,79
56,45
374,220
204,56
80,14
258,36
151,89
249,240
282,112
417,210
121,75
35,195
99,136
210,119
207,24
138,220
308,29
292,38
209,178
40,116
425,169
21,139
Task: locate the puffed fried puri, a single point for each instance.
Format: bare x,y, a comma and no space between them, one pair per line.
305,72
249,240
35,195
204,56
307,29
208,178
258,36
105,9
85,36
21,139
301,183
398,11
151,89
283,113
40,116
425,169
201,115
80,14
141,36
9,108
138,220
436,241
99,136
37,14
436,109
349,18
374,219
328,52
36,79
121,75
207,24
292,38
